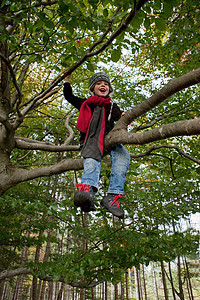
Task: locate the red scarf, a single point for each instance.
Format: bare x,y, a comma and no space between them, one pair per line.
85,114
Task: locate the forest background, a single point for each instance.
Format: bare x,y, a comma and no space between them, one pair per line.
151,51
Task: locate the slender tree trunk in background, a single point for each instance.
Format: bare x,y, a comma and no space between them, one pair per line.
138,285
155,284
171,281
82,294
50,291
92,294
84,247
42,295
111,292
73,293
34,281
59,297
122,290
39,288
116,291
34,288
106,290
46,257
181,293
164,281
127,287
7,293
130,283
103,291
20,280
18,288
189,285
3,287
144,283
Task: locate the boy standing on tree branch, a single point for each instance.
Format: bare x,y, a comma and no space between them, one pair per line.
96,119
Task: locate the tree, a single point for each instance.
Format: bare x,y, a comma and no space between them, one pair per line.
22,44
79,37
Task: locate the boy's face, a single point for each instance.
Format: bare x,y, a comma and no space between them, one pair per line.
101,88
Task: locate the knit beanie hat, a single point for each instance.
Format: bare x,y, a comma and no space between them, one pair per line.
98,77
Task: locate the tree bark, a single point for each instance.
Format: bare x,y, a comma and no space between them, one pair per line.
180,283
144,283
171,281
164,281
189,285
127,285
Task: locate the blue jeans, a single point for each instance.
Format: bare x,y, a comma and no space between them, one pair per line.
120,159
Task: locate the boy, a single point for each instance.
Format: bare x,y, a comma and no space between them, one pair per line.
96,119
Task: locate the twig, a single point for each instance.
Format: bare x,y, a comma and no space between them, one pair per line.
14,82
180,151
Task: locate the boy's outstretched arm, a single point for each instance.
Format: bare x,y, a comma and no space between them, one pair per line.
68,94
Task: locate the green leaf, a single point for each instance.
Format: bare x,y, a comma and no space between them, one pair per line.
147,22
63,6
49,24
115,55
90,67
137,21
160,24
105,13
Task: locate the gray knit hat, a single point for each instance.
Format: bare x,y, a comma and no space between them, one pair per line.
98,77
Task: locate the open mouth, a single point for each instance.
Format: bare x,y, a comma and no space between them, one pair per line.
102,90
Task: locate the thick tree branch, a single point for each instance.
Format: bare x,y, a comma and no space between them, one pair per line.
25,271
173,86
70,130
22,143
5,122
15,175
180,128
11,273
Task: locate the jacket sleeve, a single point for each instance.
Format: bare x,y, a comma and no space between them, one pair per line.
116,112
70,97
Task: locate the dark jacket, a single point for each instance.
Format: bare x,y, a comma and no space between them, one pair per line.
77,102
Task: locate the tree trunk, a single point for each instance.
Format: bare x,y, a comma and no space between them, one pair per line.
20,280
59,297
189,285
46,257
34,281
122,290
155,284
164,281
2,289
42,295
18,288
82,294
181,293
50,291
138,285
171,281
116,291
103,291
39,289
92,294
34,288
106,290
144,283
127,287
